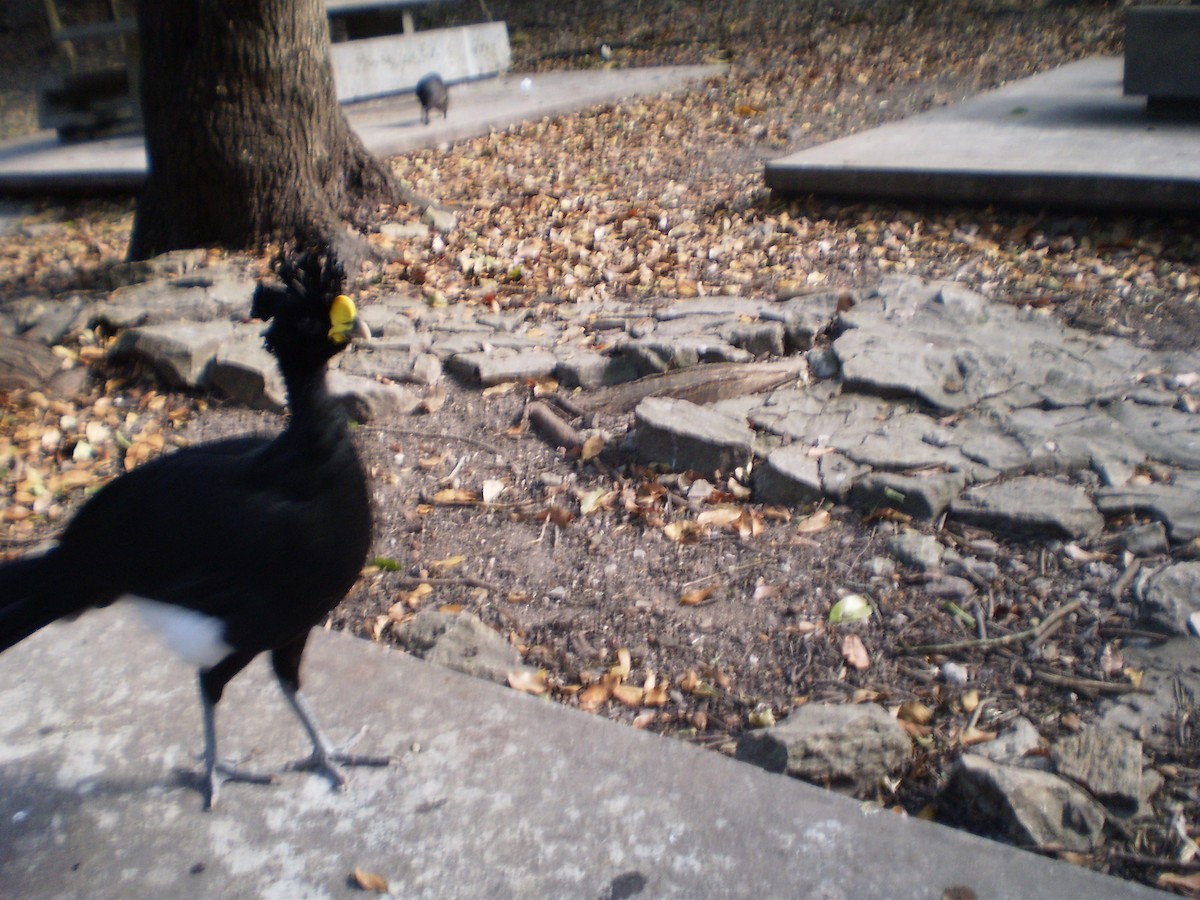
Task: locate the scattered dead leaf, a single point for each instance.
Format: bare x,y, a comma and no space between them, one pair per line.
369,881
855,652
697,596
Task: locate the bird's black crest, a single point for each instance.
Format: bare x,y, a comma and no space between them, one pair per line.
298,306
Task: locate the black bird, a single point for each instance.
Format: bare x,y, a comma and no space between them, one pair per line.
232,548
433,94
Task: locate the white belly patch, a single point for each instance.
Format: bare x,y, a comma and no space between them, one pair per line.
197,638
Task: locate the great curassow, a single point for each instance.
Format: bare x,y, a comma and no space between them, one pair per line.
232,548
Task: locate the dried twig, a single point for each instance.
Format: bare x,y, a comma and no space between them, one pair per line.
1087,685
1051,621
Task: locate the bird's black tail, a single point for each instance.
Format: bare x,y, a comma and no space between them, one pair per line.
30,598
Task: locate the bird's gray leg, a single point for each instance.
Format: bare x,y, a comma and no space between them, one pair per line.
212,685
324,757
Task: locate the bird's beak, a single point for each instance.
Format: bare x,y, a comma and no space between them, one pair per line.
344,323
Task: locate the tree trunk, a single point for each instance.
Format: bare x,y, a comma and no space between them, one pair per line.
245,139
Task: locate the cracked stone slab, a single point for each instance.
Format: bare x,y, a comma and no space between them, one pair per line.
950,348
492,367
690,437
1030,807
367,400
1176,506
180,352
1030,505
246,373
1169,597
1162,433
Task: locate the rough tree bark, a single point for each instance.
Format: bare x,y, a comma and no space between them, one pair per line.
245,139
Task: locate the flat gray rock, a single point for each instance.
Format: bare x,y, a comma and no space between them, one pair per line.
1032,808
460,642
1169,597
924,496
1105,761
179,352
685,436
788,476
1030,505
1177,506
367,400
853,747
492,367
246,373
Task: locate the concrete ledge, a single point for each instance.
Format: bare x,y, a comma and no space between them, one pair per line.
508,796
1065,138
1162,52
376,67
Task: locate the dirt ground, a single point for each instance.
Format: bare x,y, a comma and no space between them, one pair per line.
580,563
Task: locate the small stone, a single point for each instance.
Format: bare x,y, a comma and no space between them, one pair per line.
953,673
949,587
920,551
852,747
1146,540
1013,747
1030,807
881,567
1106,762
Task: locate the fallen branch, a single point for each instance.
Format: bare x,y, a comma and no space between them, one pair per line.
1051,621
547,423
1087,685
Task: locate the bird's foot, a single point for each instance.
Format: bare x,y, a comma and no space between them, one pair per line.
328,764
223,772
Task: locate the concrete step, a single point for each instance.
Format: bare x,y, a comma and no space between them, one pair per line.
494,794
1065,138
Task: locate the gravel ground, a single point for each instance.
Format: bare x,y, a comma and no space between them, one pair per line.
663,197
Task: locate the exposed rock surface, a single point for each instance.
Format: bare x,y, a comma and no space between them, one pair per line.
1027,806
852,747
1105,762
930,399
461,642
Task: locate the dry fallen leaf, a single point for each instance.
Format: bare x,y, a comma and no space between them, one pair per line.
455,496
855,652
811,524
528,681
369,881
592,448
628,694
915,711
972,735
698,596
594,696
624,664
445,565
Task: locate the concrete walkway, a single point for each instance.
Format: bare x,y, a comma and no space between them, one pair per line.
1066,138
40,164
494,794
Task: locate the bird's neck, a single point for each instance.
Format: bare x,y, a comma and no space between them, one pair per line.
316,417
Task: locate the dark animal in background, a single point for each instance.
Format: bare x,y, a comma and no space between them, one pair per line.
432,93
232,548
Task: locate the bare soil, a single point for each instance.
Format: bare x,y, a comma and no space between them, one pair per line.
735,626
